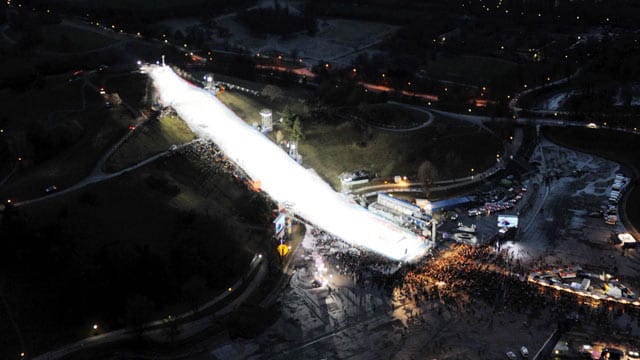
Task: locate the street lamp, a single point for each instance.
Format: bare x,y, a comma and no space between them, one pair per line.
95,326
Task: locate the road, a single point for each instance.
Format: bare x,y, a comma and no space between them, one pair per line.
513,103
410,107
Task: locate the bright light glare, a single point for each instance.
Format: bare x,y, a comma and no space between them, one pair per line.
280,176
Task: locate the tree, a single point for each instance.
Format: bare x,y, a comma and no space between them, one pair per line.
115,99
294,53
172,329
287,117
427,172
297,133
193,290
138,311
178,36
271,91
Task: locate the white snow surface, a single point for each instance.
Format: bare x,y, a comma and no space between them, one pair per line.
280,176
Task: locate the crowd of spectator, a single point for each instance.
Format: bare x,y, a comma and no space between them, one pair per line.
210,157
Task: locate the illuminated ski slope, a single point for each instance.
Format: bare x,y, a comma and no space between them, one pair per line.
280,176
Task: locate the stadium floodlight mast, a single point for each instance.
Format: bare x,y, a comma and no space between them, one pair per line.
281,177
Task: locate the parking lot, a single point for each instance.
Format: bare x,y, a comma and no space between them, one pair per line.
562,215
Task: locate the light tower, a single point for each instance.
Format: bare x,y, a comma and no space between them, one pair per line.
209,83
267,121
163,60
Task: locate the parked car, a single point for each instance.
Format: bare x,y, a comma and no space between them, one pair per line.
511,355
524,352
51,189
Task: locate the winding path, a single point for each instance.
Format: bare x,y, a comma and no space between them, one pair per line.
156,330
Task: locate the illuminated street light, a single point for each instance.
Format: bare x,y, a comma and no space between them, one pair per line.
95,326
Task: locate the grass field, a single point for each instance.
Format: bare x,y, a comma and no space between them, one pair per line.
391,116
61,38
150,139
246,107
95,128
451,145
354,32
123,237
333,150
